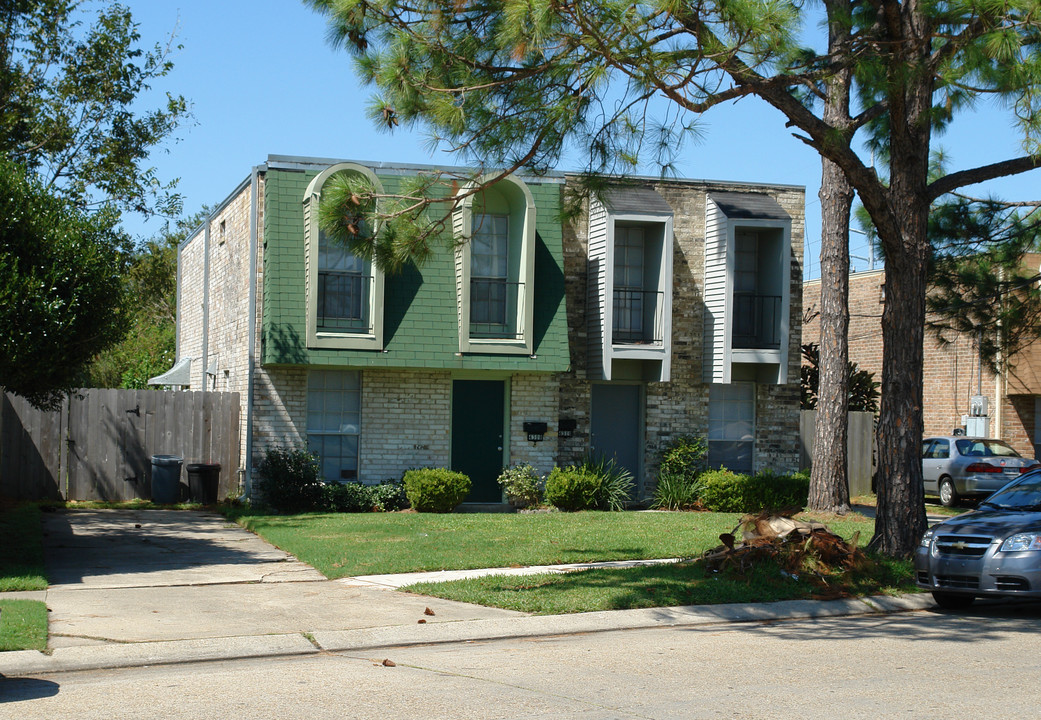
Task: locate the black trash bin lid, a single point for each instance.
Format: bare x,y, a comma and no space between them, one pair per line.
167,459
198,467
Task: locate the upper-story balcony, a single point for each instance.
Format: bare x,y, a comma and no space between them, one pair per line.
757,321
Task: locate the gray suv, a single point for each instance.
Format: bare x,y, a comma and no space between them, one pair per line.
958,466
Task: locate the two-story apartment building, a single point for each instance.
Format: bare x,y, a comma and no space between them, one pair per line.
666,310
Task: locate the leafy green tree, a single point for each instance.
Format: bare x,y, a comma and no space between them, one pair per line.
61,288
76,137
150,345
979,282
516,83
71,103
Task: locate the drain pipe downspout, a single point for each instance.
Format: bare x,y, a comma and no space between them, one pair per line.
206,305
247,463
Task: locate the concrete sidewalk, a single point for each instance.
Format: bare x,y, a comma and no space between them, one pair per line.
141,587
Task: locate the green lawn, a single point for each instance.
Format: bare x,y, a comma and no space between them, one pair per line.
340,545
21,549
23,625
663,586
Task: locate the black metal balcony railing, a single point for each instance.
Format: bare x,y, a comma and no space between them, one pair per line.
493,308
757,321
343,302
638,317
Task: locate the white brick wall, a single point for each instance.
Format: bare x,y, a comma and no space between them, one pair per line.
534,398
405,423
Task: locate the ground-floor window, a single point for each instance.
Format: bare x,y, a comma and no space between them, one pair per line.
731,426
334,421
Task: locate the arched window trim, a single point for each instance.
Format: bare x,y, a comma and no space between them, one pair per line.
372,339
522,343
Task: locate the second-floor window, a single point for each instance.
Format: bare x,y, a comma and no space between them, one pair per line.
489,276
757,310
629,284
343,289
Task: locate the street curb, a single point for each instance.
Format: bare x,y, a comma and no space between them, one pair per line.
168,652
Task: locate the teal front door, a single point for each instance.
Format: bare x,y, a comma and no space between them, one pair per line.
477,435
616,427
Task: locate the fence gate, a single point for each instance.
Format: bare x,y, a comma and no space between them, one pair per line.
99,445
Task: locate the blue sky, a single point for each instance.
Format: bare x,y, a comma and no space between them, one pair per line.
263,80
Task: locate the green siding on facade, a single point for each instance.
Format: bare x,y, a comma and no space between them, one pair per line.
420,317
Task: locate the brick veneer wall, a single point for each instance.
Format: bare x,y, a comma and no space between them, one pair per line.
680,407
227,304
406,418
950,370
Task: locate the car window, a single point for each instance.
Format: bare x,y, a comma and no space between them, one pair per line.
927,448
942,449
997,448
971,448
1025,493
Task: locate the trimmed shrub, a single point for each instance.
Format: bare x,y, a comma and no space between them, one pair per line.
573,488
522,485
389,496
725,491
350,497
435,489
684,457
288,481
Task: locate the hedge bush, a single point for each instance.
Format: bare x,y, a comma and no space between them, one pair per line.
725,491
356,497
573,488
288,481
435,489
685,456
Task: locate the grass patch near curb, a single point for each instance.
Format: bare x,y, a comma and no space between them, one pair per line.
21,549
341,545
685,583
23,625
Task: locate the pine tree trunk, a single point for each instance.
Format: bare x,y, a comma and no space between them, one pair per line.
900,519
829,478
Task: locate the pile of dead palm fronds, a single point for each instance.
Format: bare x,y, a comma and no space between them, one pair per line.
798,548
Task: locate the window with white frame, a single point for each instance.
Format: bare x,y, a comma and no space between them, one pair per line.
334,421
489,276
731,426
344,291
494,228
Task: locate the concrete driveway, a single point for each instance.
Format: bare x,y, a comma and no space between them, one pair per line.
126,576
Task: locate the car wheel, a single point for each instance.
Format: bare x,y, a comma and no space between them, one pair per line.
953,601
948,494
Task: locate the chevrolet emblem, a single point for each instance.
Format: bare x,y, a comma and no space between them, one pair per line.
959,545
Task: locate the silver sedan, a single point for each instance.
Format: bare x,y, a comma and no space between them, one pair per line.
994,550
955,467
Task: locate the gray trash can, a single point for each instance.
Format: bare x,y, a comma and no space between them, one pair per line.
203,481
166,479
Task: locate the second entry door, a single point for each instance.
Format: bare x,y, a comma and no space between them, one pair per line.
616,425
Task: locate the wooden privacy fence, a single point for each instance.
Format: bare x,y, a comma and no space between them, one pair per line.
99,444
860,444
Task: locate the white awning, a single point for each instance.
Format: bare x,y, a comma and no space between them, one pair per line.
179,374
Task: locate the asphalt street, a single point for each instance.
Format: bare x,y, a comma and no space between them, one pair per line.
980,664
